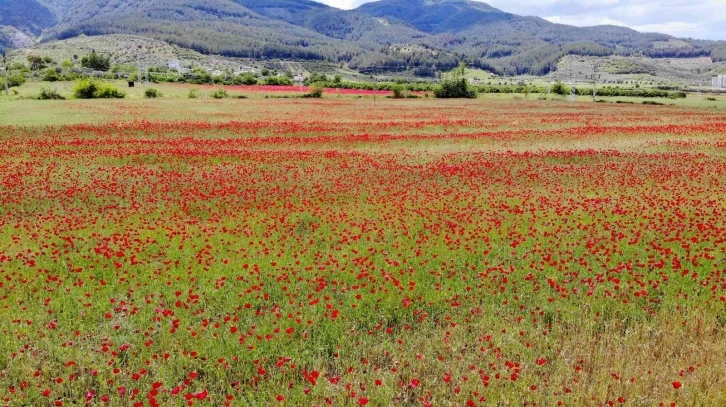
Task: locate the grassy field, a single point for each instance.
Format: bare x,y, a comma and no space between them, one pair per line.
270,252
20,108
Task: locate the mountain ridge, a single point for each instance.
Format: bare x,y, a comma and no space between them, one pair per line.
424,35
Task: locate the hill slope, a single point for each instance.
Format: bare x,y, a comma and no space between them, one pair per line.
210,26
421,35
438,16
30,16
508,43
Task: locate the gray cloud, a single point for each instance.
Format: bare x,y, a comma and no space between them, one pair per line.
704,19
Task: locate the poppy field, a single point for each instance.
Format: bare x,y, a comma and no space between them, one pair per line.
340,253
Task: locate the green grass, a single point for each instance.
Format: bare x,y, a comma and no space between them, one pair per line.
455,250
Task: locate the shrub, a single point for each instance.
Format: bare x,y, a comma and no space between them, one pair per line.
398,91
51,75
96,62
90,89
36,62
152,93
17,66
85,89
108,91
650,102
194,94
71,76
316,91
455,86
245,79
49,94
711,99
559,88
278,81
200,76
220,94
15,79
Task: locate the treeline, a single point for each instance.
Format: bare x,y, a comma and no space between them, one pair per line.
539,60
560,89
555,89
206,40
422,60
94,65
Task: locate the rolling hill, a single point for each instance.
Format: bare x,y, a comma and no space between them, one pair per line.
425,36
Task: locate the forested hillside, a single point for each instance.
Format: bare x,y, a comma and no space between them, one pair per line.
30,16
422,36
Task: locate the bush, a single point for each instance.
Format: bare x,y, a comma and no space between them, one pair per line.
17,66
454,89
278,81
455,86
194,94
96,62
559,88
245,79
15,79
200,76
37,62
49,94
398,91
51,75
71,76
108,91
85,89
152,93
316,92
220,94
90,89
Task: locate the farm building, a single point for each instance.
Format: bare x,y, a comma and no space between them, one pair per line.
719,81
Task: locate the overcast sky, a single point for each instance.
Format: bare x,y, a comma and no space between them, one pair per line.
704,19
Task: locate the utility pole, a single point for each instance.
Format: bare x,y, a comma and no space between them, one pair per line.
594,86
549,82
375,87
5,68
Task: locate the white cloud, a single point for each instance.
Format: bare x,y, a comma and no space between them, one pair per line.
584,20
343,4
675,28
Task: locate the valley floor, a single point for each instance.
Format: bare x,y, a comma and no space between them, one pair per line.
340,252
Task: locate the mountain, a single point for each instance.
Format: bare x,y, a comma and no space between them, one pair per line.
438,16
210,26
512,44
30,16
425,36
